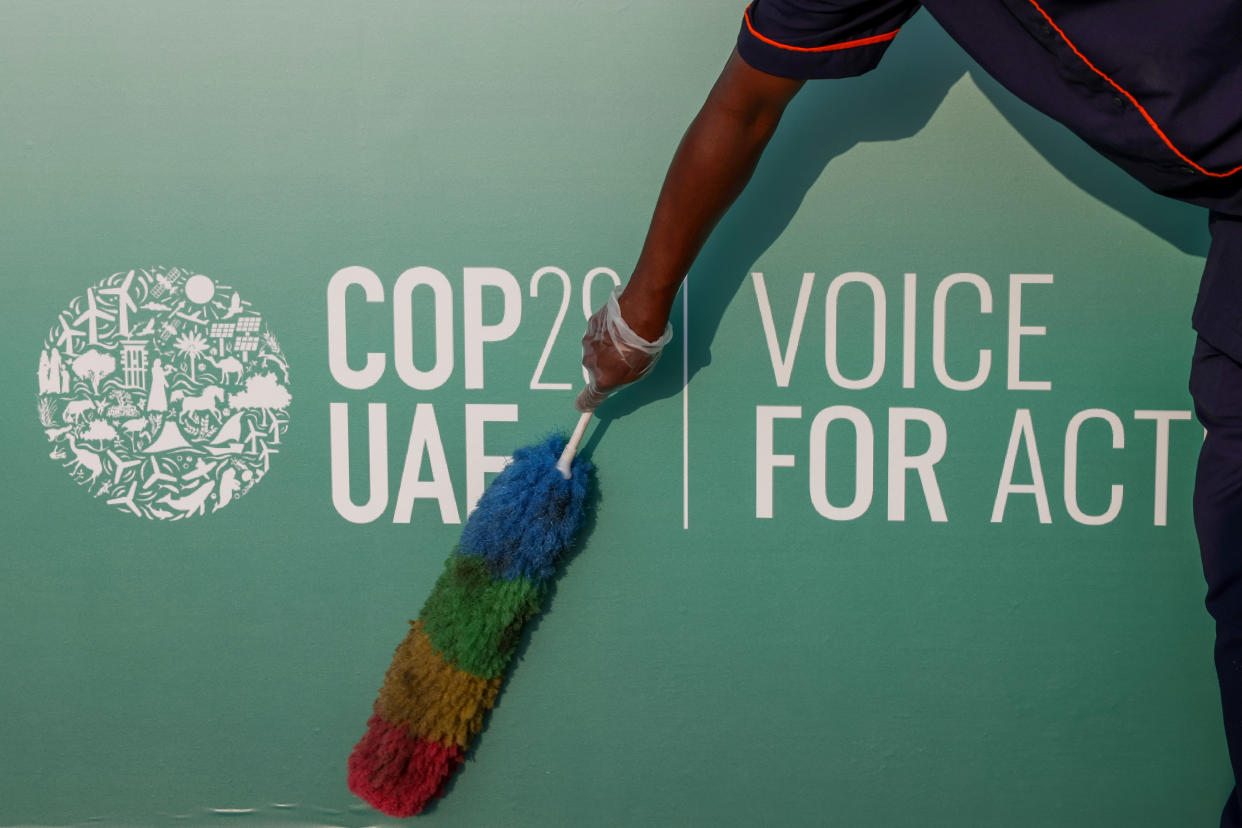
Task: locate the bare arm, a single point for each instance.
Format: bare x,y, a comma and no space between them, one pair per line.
711,167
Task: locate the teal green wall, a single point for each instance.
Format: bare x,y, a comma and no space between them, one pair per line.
741,671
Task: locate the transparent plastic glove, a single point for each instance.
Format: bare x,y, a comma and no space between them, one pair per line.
613,355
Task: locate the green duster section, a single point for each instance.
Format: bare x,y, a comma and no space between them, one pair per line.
473,619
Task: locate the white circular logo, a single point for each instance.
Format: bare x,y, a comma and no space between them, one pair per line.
164,392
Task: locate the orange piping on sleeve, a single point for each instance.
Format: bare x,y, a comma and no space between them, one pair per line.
832,47
1141,109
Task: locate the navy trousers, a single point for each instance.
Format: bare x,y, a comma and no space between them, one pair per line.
1216,385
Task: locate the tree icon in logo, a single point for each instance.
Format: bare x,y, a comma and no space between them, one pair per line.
163,392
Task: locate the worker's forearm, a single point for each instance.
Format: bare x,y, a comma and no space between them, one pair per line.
710,169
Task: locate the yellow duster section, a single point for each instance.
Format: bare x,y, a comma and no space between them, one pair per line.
431,698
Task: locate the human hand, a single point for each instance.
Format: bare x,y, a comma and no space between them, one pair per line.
614,355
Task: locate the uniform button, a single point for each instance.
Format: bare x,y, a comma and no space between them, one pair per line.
1119,101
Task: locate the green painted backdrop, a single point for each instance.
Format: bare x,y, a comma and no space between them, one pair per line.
697,665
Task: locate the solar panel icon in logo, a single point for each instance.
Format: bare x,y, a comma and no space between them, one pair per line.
163,392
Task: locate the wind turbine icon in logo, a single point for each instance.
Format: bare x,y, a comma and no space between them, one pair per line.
92,316
125,303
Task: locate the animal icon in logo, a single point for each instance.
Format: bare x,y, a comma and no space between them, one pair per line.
154,402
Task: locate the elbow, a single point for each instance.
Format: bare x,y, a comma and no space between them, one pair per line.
748,114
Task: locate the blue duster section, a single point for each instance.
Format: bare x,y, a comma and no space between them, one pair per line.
530,514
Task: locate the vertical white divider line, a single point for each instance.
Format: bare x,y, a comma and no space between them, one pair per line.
685,405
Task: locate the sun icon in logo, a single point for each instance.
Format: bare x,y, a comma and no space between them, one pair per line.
163,392
199,289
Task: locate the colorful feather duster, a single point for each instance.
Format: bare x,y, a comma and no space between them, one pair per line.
446,674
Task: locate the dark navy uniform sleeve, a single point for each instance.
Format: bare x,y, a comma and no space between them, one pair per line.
805,39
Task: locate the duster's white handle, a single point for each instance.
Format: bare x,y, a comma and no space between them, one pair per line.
571,448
